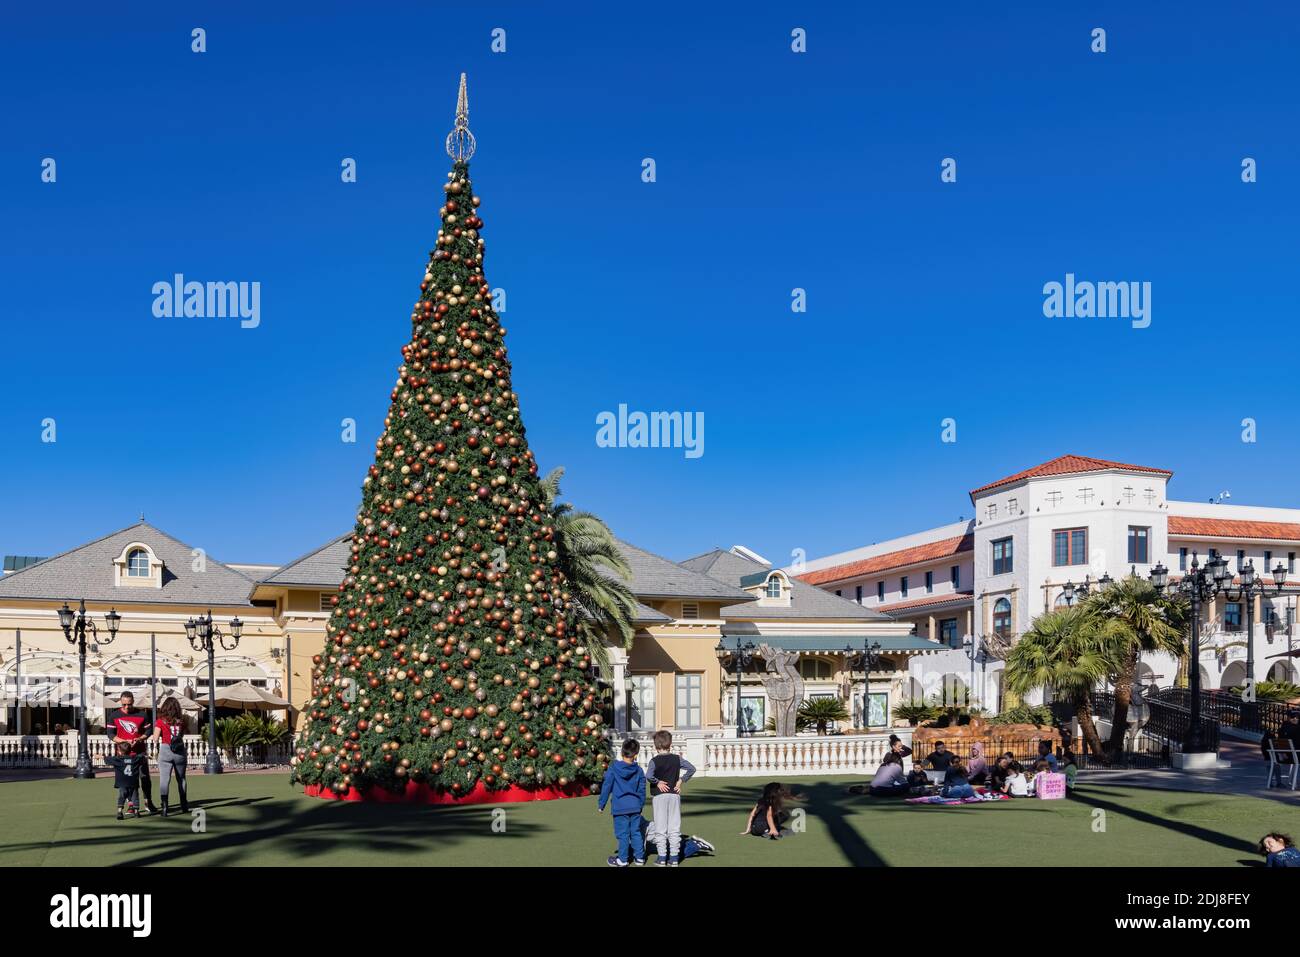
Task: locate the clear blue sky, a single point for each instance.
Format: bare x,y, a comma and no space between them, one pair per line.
775,170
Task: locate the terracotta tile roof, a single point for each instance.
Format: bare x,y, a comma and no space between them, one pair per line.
1068,465
930,551
922,602
1234,528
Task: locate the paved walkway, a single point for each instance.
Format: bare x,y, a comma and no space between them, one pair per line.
1247,776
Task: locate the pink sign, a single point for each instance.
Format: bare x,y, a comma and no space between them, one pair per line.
1051,787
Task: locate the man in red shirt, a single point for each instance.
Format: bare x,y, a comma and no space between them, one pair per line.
133,727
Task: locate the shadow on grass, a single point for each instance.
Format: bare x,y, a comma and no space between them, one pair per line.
273,826
828,803
1090,797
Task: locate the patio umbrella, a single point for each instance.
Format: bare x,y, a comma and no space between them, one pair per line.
144,699
245,697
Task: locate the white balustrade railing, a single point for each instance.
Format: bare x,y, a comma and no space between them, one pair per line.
712,754
838,754
34,751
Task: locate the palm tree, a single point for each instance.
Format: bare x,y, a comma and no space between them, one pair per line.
1134,617
597,573
822,711
1063,649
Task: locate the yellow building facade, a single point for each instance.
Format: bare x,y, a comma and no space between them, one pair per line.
679,673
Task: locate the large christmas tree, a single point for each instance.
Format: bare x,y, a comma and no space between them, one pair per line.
450,669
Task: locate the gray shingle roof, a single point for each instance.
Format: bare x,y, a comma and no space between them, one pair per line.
87,572
321,568
656,577
652,576
645,615
807,601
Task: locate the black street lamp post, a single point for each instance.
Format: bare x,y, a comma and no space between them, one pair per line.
743,656
1070,590
76,625
974,648
1252,586
868,659
1201,583
204,636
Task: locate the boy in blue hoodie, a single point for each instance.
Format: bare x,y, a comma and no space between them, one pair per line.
625,783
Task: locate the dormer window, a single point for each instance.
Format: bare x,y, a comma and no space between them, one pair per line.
136,566
137,563
774,587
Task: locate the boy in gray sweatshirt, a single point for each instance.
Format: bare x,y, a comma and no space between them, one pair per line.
666,774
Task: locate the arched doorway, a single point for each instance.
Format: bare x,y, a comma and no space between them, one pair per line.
1282,671
1233,676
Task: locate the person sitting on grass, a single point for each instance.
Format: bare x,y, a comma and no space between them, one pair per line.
1016,784
1070,767
126,765
977,768
1040,768
890,781
1000,771
1280,850
918,782
768,814
897,746
939,758
1045,754
956,782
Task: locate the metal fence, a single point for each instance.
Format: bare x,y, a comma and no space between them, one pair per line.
1226,709
1166,726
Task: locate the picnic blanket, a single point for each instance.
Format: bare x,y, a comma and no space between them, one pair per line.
977,799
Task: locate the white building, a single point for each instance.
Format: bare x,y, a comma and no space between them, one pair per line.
1067,521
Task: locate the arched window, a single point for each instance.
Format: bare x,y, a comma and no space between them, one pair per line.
137,563
774,586
1002,618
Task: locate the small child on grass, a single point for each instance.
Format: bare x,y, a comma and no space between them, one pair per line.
126,765
623,788
1280,850
666,774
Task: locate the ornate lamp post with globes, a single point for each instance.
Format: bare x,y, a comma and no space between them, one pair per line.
742,656
76,625
204,636
868,659
1252,586
1201,583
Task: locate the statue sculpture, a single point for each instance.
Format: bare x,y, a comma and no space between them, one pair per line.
784,687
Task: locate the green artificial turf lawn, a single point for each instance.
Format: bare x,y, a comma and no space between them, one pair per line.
260,819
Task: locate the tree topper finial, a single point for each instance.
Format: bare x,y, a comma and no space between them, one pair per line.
460,141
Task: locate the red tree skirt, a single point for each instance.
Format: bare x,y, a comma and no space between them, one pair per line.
421,793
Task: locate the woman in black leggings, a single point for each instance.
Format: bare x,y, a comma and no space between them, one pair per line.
170,730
